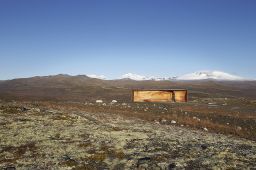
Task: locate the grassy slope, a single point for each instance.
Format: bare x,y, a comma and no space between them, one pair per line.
82,88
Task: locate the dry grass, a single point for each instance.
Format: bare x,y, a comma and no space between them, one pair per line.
219,120
18,152
76,136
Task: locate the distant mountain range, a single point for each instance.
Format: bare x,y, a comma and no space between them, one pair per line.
200,75
86,88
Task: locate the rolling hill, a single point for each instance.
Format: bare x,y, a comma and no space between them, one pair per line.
82,87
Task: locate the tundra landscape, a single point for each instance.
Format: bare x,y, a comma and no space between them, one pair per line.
127,85
78,122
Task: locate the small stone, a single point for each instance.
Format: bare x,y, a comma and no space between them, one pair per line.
173,122
99,101
205,129
156,122
163,121
36,109
239,128
10,168
52,111
66,157
143,161
24,109
204,146
171,166
114,101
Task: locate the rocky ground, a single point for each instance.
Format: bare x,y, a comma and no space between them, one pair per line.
51,136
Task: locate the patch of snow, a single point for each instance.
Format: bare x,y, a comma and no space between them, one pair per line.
97,76
199,75
216,75
134,76
138,77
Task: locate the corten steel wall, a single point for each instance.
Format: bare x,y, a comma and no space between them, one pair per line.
159,95
181,96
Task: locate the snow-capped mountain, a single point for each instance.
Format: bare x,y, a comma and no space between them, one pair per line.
216,75
133,76
200,75
141,77
97,76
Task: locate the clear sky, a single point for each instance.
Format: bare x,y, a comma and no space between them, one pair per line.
114,37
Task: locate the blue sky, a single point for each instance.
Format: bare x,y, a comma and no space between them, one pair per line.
114,37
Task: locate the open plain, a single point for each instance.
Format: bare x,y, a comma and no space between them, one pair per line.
61,135
55,123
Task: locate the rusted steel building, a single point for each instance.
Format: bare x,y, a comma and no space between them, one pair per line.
160,95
